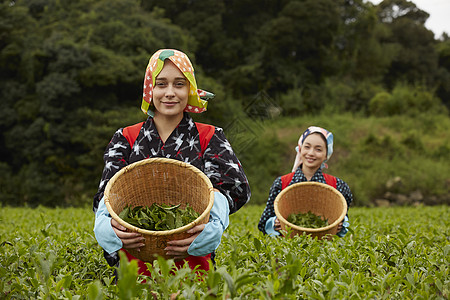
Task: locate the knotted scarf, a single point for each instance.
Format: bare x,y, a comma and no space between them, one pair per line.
312,129
197,100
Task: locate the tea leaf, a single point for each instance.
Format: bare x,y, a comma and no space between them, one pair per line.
307,220
159,216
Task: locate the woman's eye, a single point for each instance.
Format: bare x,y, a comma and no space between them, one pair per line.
180,84
160,84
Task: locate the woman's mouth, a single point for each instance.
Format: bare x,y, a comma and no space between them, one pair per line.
310,160
170,103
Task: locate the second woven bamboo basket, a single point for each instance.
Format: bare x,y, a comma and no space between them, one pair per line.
319,198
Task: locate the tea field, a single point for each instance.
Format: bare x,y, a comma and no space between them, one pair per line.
389,253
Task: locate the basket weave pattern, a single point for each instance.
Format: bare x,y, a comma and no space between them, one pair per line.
161,181
321,199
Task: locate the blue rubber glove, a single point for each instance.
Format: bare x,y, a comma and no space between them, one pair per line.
209,239
344,229
270,227
104,233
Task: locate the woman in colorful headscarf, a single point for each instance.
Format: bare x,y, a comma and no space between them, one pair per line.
170,92
314,149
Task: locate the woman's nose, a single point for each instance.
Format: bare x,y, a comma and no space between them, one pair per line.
170,91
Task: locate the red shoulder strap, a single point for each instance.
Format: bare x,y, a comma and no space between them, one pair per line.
131,132
205,132
286,179
330,179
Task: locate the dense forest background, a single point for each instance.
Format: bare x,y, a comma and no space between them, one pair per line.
72,72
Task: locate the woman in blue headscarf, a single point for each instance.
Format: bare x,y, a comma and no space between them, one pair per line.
315,147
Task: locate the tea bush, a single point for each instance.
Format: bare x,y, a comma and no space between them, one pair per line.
389,253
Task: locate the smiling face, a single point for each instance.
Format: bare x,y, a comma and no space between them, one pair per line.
171,91
313,151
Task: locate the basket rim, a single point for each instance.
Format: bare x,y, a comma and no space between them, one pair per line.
306,229
163,232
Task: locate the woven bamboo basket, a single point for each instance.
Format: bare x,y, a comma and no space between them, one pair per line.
319,198
164,181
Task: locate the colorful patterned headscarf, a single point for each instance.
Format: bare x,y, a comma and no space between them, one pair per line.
312,129
197,100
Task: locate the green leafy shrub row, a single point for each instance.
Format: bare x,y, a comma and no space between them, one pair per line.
394,253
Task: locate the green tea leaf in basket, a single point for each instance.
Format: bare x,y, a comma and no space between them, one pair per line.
124,213
307,220
170,219
168,207
159,217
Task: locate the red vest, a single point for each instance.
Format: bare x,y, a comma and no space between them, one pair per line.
286,179
205,134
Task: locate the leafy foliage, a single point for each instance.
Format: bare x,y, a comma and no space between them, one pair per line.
307,220
398,252
158,217
405,100
71,75
72,58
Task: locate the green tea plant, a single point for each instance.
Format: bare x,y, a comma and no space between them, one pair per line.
308,220
158,217
389,253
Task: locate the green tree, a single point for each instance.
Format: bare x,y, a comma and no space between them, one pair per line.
71,73
361,53
443,89
298,44
416,60
61,58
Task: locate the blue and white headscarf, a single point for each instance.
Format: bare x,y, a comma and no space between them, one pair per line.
313,129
